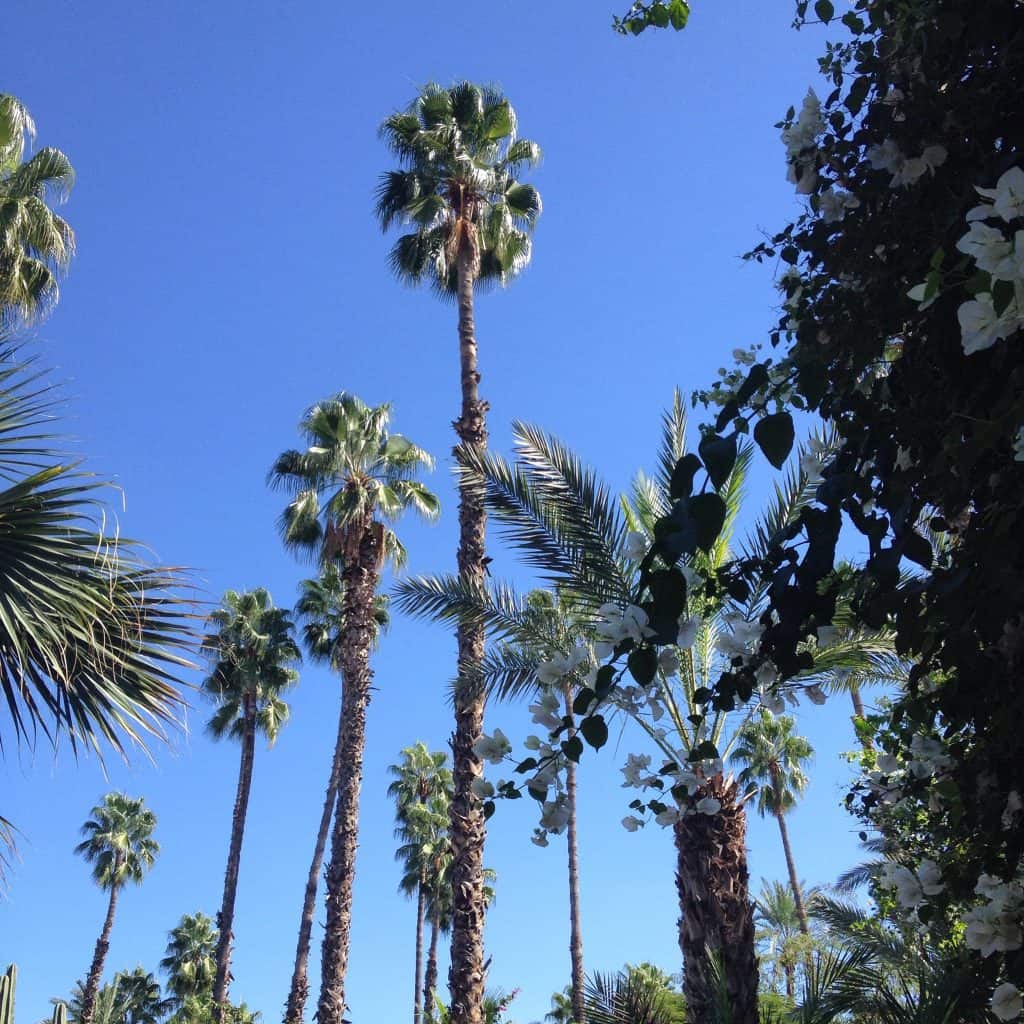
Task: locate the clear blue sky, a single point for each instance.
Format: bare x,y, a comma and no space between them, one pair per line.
230,273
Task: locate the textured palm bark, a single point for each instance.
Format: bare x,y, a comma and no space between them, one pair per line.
361,576
578,981
99,957
417,998
794,882
430,977
468,830
295,1008
717,915
226,917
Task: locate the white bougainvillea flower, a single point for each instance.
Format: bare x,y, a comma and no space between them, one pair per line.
669,816
772,701
833,205
766,674
888,763
635,545
991,930
545,712
668,661
1008,195
687,632
930,877
482,789
886,157
709,805
908,889
981,327
492,748
991,250
555,816
631,824
631,771
532,742
539,837
1007,1002
617,624
740,637
815,694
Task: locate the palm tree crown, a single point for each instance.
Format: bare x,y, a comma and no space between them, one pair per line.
457,187
190,959
119,841
34,242
774,758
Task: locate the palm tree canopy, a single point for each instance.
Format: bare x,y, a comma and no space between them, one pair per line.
774,758
420,775
35,244
457,186
190,961
252,648
351,469
142,1001
92,638
119,840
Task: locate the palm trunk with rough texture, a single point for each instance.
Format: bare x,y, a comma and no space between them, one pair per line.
794,882
579,1004
717,914
361,575
99,957
226,917
417,998
468,829
430,978
298,994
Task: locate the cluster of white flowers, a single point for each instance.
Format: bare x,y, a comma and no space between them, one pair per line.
561,665
904,170
1007,1002
813,458
800,140
691,777
832,205
493,749
635,545
994,927
912,886
1002,258
617,624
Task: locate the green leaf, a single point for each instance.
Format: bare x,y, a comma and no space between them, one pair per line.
757,377
681,484
583,700
705,751
526,766
702,695
605,680
719,456
918,550
643,665
488,809
573,748
679,14
824,10
774,435
708,512
595,731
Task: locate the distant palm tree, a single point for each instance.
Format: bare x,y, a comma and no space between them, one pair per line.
141,998
422,790
190,961
561,1007
775,912
775,758
35,244
470,221
351,479
320,610
252,648
119,844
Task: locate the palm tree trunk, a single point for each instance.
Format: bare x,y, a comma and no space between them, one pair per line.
468,830
717,915
226,917
858,716
430,979
790,980
299,992
417,999
99,957
361,575
575,931
794,882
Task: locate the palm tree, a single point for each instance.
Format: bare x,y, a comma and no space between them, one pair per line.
561,1011
352,477
190,961
252,650
35,244
320,610
774,758
119,844
775,912
470,222
568,526
421,789
141,999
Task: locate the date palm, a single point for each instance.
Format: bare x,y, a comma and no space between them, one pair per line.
773,757
775,912
190,960
320,611
350,481
252,649
469,222
120,846
421,789
35,243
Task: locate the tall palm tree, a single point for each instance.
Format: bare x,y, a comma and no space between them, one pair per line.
774,758
561,1011
252,648
568,526
141,998
421,788
320,610
120,846
775,912
352,478
190,960
35,243
470,221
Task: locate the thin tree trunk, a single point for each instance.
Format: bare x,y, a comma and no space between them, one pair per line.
417,999
430,980
99,957
226,917
299,992
858,716
717,915
360,576
468,829
794,882
575,931
790,980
